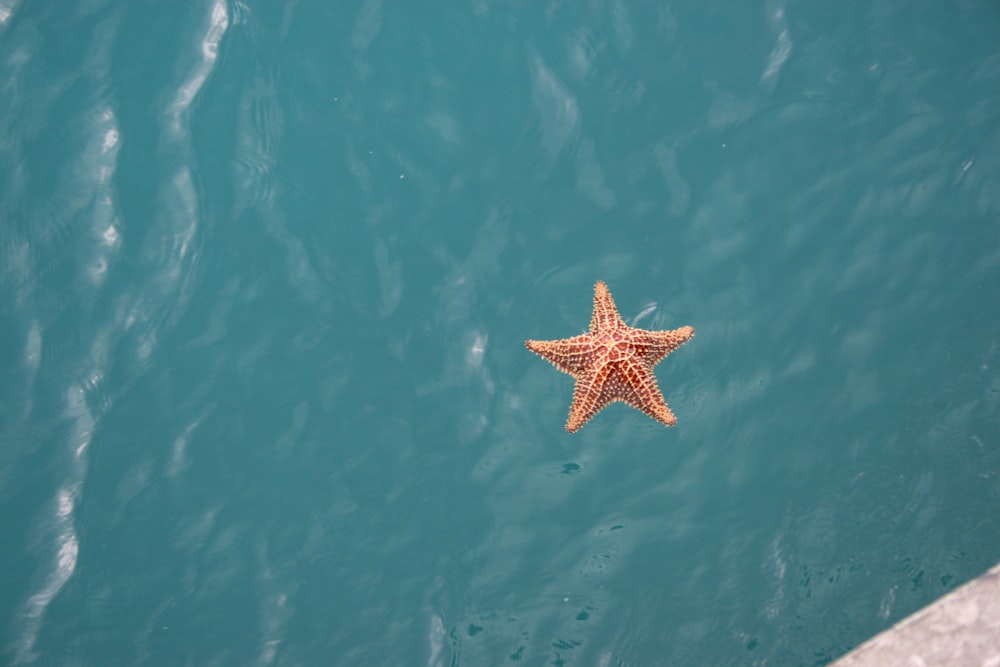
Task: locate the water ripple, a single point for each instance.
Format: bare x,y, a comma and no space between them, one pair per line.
217,24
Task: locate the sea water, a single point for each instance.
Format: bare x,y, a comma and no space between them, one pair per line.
266,273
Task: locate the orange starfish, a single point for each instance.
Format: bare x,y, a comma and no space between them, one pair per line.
613,362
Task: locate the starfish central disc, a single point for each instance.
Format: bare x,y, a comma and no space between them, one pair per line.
612,362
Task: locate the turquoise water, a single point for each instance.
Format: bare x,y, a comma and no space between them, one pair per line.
266,274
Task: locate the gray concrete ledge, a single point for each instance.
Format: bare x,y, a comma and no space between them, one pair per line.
962,629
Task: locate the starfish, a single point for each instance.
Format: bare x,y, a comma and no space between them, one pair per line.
612,362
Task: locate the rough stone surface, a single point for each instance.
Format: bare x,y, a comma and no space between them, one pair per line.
962,629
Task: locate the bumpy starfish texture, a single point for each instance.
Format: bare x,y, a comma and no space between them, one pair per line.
612,362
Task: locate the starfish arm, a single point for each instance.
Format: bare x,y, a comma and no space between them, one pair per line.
636,385
569,355
589,398
605,314
659,344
